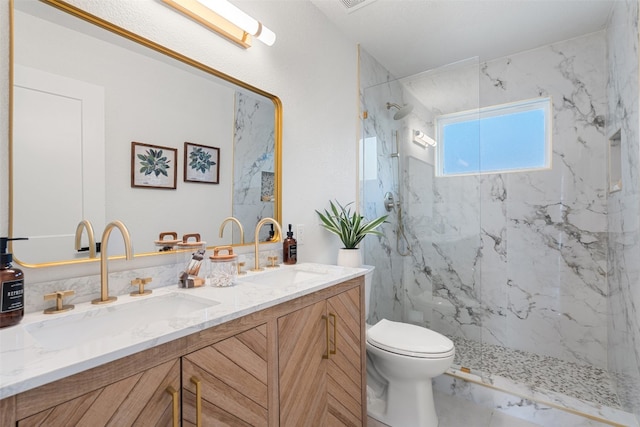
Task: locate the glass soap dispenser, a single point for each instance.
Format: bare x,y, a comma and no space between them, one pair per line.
11,287
289,249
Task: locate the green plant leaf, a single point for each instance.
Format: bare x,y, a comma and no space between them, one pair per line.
350,227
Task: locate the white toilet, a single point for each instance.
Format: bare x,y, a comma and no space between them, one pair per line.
401,361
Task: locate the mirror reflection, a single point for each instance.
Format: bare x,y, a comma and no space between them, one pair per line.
83,96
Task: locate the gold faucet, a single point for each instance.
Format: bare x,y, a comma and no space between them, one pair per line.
86,225
226,220
276,238
104,274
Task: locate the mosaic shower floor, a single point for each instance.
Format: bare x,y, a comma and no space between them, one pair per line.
583,382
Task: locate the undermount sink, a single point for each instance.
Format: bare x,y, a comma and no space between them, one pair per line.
112,320
285,276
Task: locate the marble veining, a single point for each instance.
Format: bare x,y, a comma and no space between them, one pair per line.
253,143
543,408
624,205
518,259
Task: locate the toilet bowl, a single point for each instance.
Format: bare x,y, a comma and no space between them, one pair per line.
405,357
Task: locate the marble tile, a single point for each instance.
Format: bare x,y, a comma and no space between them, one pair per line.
521,402
623,206
253,141
519,259
455,411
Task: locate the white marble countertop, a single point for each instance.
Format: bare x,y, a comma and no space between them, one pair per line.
27,362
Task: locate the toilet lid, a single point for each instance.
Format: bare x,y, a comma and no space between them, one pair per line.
409,340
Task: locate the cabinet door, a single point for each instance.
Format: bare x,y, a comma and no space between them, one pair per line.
302,342
232,379
320,363
344,383
139,400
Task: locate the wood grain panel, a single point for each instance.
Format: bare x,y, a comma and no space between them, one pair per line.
8,411
302,370
66,389
234,380
138,400
220,402
345,367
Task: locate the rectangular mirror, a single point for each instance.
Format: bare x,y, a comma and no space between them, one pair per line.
82,95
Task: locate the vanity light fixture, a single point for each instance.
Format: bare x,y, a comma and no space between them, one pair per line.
423,139
225,19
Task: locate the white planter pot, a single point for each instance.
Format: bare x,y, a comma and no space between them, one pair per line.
349,257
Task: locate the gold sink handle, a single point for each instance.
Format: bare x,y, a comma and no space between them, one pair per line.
272,262
141,284
58,296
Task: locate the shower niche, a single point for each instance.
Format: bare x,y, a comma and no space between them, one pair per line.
615,162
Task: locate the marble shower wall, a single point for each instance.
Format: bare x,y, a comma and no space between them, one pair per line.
624,206
542,257
514,259
253,167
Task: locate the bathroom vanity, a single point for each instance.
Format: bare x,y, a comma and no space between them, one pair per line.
263,354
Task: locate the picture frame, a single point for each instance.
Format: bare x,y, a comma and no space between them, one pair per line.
153,166
201,163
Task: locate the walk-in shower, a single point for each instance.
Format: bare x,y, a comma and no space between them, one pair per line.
512,267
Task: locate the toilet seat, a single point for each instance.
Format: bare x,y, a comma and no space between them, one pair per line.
409,340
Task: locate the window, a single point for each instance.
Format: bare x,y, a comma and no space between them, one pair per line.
503,138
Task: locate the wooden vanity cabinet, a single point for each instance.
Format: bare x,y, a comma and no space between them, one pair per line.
299,363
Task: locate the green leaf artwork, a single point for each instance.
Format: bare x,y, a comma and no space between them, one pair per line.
200,160
153,162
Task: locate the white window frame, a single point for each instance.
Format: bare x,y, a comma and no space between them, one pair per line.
543,104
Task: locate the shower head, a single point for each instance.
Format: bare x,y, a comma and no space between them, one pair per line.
402,112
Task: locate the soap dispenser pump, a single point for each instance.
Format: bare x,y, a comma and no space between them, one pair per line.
11,287
289,248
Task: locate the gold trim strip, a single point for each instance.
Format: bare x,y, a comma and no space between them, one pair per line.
523,396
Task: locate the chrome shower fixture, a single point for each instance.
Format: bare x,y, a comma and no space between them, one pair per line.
402,112
389,201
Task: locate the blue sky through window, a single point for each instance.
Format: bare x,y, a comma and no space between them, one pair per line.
503,138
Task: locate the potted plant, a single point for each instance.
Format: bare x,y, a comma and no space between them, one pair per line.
351,227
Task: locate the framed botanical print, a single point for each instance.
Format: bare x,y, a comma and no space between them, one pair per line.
201,163
153,166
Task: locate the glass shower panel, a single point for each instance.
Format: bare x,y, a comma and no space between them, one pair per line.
427,264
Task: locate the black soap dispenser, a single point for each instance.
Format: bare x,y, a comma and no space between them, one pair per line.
11,288
289,248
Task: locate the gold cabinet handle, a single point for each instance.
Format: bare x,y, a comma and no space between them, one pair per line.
335,333
176,408
326,322
196,382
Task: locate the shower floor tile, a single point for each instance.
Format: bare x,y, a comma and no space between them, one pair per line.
584,382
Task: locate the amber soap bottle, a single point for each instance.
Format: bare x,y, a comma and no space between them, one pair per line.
11,288
289,249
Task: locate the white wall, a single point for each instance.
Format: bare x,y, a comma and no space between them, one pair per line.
311,68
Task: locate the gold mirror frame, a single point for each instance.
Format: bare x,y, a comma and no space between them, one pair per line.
79,13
